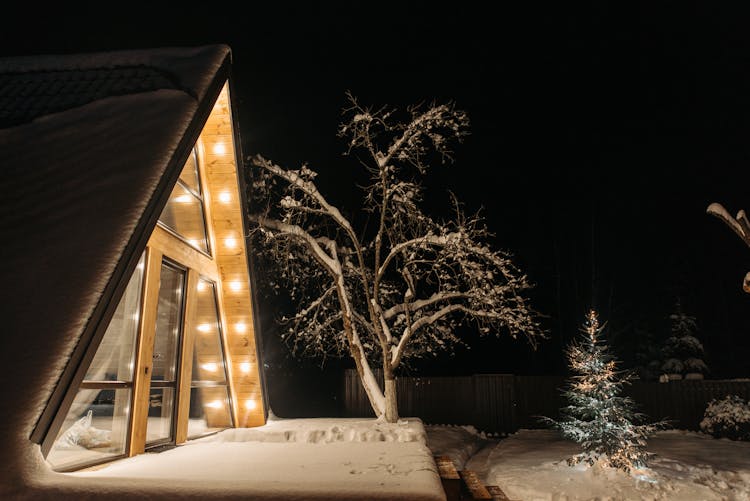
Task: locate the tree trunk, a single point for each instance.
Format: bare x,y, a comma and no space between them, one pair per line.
391,404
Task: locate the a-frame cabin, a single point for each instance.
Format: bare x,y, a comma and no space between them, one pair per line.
128,305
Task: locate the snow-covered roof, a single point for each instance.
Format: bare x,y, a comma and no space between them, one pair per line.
91,146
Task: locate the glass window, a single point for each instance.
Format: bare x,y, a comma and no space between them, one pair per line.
189,174
97,422
209,392
184,214
166,345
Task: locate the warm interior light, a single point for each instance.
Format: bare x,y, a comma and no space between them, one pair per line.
250,404
201,286
225,197
235,285
214,404
245,366
219,148
240,327
204,327
230,242
193,242
210,366
183,199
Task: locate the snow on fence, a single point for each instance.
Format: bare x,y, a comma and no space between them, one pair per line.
505,403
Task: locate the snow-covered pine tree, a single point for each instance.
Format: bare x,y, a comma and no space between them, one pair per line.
597,416
683,352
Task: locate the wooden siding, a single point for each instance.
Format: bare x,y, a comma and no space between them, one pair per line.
225,220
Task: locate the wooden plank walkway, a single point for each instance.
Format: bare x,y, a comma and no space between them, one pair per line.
465,485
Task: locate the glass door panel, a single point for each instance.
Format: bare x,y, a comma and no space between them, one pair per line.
160,427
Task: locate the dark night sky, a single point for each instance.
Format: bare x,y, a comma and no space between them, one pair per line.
599,136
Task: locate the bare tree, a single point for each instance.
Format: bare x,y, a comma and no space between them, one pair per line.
740,225
399,286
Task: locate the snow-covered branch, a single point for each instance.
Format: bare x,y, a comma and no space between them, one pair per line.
296,232
421,242
308,187
416,305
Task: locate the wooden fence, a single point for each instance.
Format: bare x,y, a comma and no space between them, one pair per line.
504,403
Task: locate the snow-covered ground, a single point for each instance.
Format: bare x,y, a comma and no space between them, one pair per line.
358,459
530,466
337,459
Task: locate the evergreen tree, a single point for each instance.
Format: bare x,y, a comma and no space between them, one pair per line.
683,352
598,417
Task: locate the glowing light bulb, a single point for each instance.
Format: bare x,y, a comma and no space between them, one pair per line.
245,367
219,148
230,242
225,197
240,327
204,327
235,285
215,404
250,404
210,366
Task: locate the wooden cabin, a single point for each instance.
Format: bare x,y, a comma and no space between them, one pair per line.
128,299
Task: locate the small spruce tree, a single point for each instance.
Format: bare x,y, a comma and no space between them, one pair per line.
597,416
682,351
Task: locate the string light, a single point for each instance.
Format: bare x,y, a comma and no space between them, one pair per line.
225,197
245,367
240,327
230,242
219,148
235,285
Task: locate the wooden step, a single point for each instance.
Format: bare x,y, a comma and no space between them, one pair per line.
449,477
497,493
473,487
465,485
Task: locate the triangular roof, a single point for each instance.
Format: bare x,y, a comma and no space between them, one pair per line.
91,146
